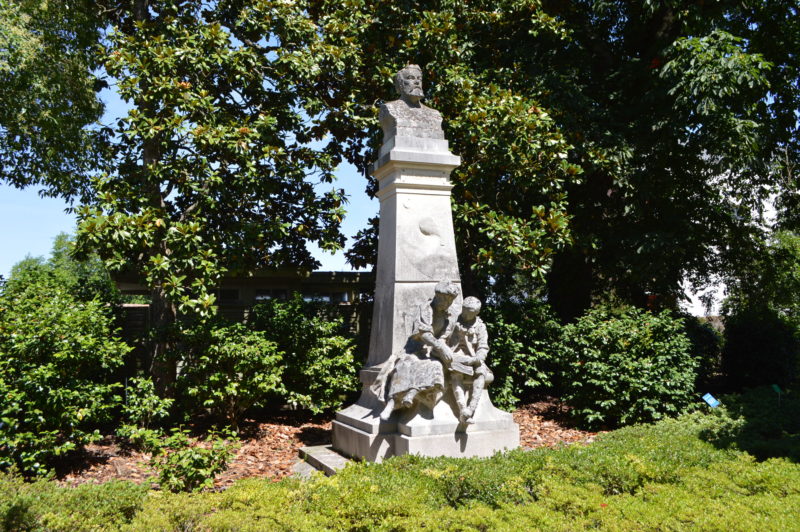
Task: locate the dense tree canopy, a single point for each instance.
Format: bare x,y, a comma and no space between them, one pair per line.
630,145
48,94
653,127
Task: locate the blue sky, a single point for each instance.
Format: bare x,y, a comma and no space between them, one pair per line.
29,223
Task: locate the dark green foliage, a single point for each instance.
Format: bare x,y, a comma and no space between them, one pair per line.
232,368
48,95
770,279
761,348
522,336
762,316
57,359
319,364
706,347
211,169
185,465
763,421
623,366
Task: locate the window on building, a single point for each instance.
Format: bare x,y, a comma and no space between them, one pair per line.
326,297
265,294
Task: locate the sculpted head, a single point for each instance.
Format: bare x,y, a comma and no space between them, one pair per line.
470,308
446,293
408,83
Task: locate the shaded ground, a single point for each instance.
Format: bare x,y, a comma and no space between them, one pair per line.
269,448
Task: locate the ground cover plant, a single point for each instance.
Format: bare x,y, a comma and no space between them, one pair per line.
678,474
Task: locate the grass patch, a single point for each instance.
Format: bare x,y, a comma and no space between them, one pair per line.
689,473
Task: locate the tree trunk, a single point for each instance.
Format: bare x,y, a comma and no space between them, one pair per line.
163,314
161,348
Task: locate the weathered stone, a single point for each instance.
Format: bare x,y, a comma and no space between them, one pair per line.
410,369
322,458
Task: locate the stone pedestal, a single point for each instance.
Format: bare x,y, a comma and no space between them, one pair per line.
359,433
416,250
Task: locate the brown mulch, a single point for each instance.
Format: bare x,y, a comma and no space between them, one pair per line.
269,448
545,423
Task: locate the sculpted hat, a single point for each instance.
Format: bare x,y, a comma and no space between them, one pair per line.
446,288
472,303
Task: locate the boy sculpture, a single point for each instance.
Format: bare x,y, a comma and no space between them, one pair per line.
469,343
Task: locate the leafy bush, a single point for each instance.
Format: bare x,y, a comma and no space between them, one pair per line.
185,465
522,336
141,408
761,348
232,369
320,367
142,405
626,366
57,359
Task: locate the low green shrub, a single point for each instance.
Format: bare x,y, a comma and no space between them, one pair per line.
319,363
522,336
761,348
231,369
647,477
58,357
664,476
43,505
761,421
623,366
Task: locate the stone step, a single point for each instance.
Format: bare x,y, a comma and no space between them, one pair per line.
303,470
323,458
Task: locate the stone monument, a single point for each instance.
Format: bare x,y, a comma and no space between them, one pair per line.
424,384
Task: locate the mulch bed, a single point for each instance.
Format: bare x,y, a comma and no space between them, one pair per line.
269,448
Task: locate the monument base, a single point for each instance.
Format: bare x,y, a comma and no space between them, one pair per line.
358,431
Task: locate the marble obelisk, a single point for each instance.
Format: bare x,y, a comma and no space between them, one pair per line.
416,250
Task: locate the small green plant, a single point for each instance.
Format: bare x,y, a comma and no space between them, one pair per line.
623,366
185,464
142,405
232,369
320,367
141,408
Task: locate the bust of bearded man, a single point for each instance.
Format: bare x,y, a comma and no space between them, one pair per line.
408,116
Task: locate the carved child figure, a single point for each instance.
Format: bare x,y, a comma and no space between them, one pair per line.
469,343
